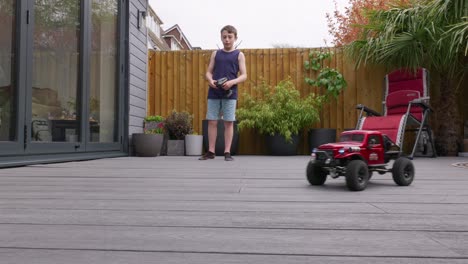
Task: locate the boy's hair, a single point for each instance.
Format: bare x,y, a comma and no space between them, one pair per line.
230,29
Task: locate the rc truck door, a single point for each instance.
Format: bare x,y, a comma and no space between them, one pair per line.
375,151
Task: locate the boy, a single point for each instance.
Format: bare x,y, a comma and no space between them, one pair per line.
222,97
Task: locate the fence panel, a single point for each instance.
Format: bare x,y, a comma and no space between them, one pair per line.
177,81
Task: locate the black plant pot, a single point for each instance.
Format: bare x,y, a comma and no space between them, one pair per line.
147,145
278,146
219,147
319,136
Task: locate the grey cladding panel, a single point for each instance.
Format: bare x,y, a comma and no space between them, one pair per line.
139,63
139,73
138,57
137,101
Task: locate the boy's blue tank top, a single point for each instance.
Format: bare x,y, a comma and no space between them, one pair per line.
226,65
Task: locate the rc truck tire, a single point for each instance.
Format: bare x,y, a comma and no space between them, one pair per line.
357,175
403,171
315,174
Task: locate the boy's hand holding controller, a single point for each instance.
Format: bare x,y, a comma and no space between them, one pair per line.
219,83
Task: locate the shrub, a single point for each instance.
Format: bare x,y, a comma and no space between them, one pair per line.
153,124
278,110
154,118
178,124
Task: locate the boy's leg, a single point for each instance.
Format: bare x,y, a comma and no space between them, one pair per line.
228,133
212,115
229,116
212,134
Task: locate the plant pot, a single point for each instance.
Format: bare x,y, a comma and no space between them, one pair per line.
193,145
175,147
147,145
149,125
319,136
278,146
219,146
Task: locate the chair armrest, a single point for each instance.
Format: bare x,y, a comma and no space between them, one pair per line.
368,111
422,102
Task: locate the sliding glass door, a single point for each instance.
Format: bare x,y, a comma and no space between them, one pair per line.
69,98
9,138
104,96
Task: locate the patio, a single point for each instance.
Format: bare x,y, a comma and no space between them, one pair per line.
257,209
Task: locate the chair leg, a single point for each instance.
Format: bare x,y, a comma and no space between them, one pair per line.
431,140
421,126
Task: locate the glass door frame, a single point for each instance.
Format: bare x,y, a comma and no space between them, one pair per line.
120,82
83,143
33,147
16,147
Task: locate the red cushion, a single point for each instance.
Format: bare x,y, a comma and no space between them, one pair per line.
404,74
388,125
406,80
415,85
397,103
401,98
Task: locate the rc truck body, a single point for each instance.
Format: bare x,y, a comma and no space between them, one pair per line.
356,156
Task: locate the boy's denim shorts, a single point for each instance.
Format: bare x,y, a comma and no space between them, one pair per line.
221,109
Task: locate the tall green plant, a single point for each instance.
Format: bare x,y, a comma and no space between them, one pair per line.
278,110
429,34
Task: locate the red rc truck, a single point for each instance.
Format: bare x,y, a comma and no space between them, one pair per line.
356,156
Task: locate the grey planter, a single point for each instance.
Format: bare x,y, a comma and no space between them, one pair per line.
147,145
193,145
175,147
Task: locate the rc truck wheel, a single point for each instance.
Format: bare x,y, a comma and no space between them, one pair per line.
315,174
357,175
403,171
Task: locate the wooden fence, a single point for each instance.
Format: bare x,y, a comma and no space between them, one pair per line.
176,81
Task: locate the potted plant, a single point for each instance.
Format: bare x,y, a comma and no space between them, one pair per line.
177,125
279,113
149,143
332,83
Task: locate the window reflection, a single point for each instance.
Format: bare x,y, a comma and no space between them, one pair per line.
103,99
55,70
7,62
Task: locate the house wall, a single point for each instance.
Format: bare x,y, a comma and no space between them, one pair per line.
137,68
176,33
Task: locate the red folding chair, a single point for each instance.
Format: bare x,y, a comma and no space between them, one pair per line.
405,106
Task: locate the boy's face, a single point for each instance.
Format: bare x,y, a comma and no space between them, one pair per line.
228,39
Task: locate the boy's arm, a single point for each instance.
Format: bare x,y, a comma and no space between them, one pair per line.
242,73
242,69
209,71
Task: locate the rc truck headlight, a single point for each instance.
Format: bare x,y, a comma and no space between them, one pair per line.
354,149
313,156
341,151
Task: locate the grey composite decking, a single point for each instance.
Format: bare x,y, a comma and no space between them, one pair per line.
257,209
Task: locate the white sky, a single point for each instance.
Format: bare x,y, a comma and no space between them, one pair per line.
260,23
